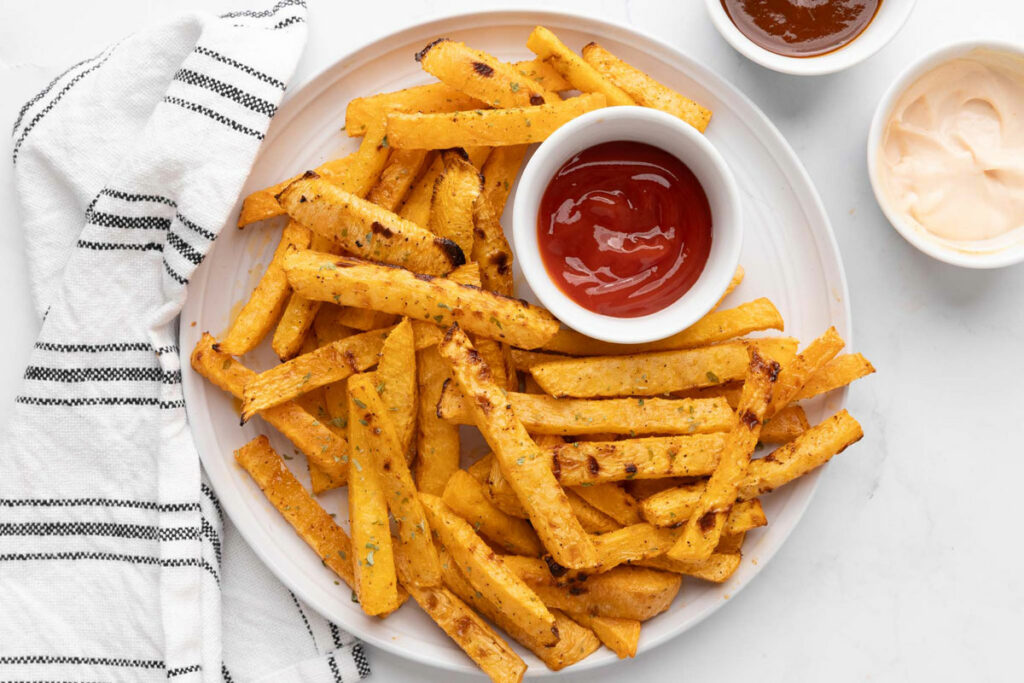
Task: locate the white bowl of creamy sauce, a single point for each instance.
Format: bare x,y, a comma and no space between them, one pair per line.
946,154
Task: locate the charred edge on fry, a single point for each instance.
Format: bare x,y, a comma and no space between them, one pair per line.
423,53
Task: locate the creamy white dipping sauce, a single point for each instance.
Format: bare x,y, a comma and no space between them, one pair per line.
952,152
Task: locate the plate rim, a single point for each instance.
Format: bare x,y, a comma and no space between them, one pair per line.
796,176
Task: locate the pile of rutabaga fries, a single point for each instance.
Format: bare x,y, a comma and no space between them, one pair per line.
615,470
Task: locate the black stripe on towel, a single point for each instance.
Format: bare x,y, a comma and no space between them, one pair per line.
190,253
76,375
219,118
227,91
265,13
107,529
94,661
288,22
100,401
98,502
182,670
95,348
255,73
113,246
42,93
113,220
173,562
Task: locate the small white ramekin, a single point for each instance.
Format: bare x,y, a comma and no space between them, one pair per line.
892,14
989,254
675,137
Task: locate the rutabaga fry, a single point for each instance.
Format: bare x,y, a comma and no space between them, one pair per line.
399,490
268,299
519,458
612,500
442,301
598,462
715,327
455,193
838,372
316,441
785,425
500,172
805,365
651,374
397,178
622,593
621,636
567,417
328,364
577,72
373,555
481,75
466,497
293,325
367,230
263,204
704,527
486,573
543,73
396,383
470,632
644,89
285,493
430,98
437,441
717,568
416,207
364,319
574,641
487,127
491,249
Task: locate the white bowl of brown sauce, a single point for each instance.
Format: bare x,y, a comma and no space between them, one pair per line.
627,224
808,37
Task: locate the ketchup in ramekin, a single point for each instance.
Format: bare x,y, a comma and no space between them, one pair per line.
624,229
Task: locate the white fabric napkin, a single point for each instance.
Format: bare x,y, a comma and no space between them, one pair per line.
116,562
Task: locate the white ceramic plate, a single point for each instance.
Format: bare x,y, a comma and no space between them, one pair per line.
789,253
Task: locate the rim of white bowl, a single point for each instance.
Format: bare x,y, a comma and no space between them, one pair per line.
982,257
892,16
652,127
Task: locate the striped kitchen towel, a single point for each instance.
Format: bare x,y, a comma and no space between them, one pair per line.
116,562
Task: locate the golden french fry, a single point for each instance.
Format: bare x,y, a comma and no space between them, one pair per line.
366,229
642,489
471,633
713,328
293,325
487,127
621,636
717,568
455,192
320,446
310,521
362,112
622,593
644,89
396,382
785,425
364,319
331,363
442,301
518,456
804,366
580,74
591,519
612,500
574,641
373,560
500,172
328,326
650,374
486,572
491,249
397,178
704,527
437,441
381,442
838,372
730,544
598,462
808,451
481,75
567,417
416,207
466,497
263,204
543,73
267,301
737,278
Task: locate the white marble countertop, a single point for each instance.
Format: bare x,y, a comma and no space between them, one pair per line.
905,567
